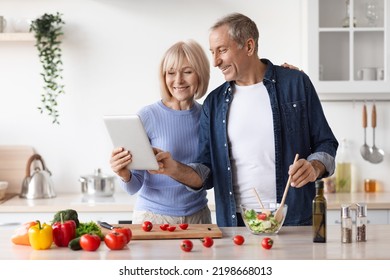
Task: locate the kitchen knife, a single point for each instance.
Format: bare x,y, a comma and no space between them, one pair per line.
106,225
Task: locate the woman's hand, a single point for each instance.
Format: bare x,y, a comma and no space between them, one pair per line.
120,158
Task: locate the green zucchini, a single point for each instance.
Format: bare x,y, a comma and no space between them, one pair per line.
74,244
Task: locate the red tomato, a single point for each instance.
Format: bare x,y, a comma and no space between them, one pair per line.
90,242
183,226
267,243
164,226
147,226
207,241
238,239
115,240
186,245
126,231
262,216
171,228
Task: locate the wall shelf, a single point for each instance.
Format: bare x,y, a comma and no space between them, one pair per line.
17,37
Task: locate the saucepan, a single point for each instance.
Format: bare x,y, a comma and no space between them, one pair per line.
98,184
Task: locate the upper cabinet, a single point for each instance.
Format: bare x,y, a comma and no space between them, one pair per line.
348,47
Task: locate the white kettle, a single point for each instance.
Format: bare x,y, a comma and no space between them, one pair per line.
38,184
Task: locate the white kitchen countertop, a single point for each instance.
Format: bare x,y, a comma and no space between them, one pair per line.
290,243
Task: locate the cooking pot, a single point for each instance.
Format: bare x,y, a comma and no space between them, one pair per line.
98,184
38,184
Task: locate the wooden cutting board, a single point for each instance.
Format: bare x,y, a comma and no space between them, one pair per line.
13,163
193,231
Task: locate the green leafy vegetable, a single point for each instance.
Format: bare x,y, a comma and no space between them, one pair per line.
89,227
269,225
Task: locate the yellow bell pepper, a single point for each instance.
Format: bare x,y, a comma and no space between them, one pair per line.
40,236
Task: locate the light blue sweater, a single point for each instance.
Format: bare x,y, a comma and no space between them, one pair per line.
176,132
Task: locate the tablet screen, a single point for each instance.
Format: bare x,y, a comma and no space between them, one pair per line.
129,132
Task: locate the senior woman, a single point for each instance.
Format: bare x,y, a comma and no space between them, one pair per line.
172,124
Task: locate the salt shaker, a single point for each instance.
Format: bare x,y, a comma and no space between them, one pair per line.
361,222
346,224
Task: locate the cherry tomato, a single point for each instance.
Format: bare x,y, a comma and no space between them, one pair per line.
164,226
171,228
238,239
126,231
186,245
183,226
147,226
207,241
267,243
115,240
90,242
262,216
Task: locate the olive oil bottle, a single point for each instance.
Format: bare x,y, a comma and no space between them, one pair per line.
319,214
343,169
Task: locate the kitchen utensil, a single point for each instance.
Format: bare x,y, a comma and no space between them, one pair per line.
279,212
38,184
376,154
193,231
365,150
258,198
106,225
98,184
367,74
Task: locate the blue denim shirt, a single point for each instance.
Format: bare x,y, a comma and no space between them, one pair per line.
300,127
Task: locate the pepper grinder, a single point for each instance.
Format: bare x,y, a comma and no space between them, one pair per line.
346,224
361,222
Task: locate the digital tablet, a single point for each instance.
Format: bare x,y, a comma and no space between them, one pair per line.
129,132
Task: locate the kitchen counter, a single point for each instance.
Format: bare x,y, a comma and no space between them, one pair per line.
122,202
119,202
291,243
375,201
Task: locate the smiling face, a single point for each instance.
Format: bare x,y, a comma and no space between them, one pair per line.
226,54
182,82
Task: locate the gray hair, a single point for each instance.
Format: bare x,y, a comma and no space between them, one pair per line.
241,28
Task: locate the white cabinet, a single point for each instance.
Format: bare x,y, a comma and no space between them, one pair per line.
374,217
348,46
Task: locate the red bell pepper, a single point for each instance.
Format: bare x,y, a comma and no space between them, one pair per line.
64,232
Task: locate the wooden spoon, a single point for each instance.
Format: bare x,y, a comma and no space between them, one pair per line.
258,199
279,211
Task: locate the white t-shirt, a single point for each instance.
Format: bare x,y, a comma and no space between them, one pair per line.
251,139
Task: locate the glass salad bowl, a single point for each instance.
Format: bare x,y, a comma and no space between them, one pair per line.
261,221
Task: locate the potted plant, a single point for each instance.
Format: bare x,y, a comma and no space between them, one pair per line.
47,31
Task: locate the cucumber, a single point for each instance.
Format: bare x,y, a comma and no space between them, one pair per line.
74,244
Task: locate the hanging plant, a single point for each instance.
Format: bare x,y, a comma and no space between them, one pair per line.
47,31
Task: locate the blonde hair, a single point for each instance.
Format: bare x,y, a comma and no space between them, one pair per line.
174,57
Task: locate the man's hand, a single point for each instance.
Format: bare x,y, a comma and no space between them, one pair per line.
304,171
176,170
167,165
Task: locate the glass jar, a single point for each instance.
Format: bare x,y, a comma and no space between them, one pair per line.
346,224
369,185
361,222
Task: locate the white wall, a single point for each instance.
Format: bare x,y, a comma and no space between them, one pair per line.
111,52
